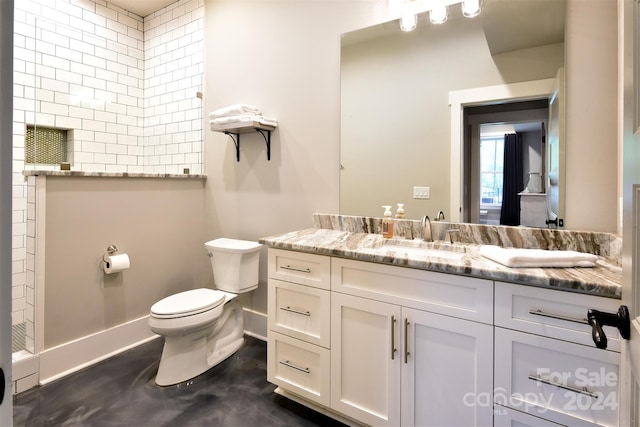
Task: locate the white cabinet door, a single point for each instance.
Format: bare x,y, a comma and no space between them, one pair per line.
564,382
447,371
365,359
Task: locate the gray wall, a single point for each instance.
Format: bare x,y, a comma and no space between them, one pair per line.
159,223
592,194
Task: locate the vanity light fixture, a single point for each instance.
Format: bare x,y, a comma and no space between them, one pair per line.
470,8
409,22
438,15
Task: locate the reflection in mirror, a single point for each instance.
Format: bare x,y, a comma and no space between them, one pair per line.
488,193
395,99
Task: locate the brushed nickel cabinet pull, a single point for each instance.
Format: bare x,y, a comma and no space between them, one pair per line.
574,389
294,366
558,316
406,340
393,337
301,270
293,310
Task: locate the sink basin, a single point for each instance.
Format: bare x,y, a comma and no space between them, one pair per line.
420,252
421,244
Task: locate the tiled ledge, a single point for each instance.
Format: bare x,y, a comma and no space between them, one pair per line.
111,174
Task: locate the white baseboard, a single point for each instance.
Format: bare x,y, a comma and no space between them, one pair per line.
255,324
69,357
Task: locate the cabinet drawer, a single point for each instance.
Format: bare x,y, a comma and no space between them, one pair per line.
300,311
563,382
505,417
298,367
552,313
458,296
298,267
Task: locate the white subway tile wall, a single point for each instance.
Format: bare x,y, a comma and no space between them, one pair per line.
126,88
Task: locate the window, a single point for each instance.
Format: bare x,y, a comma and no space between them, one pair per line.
491,169
44,145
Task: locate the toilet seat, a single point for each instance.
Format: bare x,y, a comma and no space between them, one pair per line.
187,303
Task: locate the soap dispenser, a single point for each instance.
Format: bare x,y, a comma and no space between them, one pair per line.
387,223
400,211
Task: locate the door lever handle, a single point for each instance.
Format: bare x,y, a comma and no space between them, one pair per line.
2,385
597,319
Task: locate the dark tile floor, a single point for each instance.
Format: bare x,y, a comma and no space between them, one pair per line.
120,392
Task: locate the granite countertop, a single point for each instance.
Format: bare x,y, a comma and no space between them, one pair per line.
602,280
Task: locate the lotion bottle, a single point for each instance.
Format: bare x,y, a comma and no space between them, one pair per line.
387,223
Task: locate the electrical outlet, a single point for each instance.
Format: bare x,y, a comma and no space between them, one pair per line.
421,192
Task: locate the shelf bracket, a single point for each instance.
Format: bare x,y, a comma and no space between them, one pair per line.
267,140
266,134
236,141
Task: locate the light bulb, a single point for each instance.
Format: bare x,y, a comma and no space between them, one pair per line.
470,8
438,15
408,22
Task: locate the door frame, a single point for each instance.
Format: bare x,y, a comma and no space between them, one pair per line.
629,149
458,100
6,175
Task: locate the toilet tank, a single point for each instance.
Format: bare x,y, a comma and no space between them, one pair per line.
235,264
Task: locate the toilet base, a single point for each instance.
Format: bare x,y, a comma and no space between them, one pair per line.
184,357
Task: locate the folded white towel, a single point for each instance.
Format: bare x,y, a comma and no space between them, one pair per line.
233,119
225,123
234,110
516,257
268,121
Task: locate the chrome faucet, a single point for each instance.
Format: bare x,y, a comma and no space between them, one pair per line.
439,216
426,229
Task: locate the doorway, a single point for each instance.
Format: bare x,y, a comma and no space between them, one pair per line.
485,128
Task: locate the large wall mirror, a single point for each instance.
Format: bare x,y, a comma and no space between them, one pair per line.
396,112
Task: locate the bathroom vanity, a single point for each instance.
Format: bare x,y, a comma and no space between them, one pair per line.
376,333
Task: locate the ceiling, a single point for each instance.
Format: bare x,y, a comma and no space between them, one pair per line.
142,7
508,25
513,25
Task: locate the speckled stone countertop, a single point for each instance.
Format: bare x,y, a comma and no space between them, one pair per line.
111,174
602,280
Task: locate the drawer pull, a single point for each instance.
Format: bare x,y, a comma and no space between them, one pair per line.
393,337
301,270
291,365
406,340
558,316
293,310
583,390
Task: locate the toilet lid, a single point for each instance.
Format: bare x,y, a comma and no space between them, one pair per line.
188,302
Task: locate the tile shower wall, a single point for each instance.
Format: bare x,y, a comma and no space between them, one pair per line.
174,66
125,87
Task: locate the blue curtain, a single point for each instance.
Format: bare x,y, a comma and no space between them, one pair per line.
513,180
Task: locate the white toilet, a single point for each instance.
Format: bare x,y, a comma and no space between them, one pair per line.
202,327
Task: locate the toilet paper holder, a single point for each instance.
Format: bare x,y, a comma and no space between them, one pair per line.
111,249
114,262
